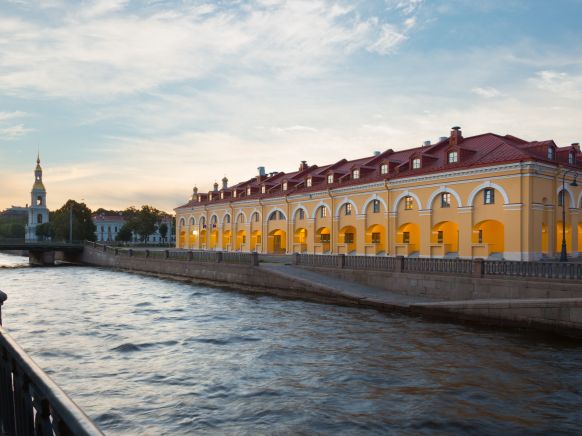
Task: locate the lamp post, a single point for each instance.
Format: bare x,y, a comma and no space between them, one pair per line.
564,253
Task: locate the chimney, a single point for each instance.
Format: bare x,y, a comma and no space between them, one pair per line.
576,145
215,187
261,171
443,138
224,183
377,153
456,136
303,165
426,143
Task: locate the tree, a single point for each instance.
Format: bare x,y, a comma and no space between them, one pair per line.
143,221
45,231
124,233
163,229
83,226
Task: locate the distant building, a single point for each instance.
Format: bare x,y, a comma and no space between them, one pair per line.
38,213
16,212
108,226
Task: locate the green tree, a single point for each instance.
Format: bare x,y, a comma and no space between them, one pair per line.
163,229
143,221
124,233
83,226
45,231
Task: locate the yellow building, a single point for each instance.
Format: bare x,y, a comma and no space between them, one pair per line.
487,196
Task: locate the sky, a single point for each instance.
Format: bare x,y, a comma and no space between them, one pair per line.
135,102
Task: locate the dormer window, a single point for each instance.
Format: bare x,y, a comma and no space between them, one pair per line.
384,169
248,191
284,186
551,153
263,189
234,194
309,182
330,179
453,157
222,195
355,174
571,158
416,163
210,197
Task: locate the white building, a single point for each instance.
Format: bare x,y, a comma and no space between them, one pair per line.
108,226
38,213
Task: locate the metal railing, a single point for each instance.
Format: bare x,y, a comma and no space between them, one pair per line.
30,402
547,270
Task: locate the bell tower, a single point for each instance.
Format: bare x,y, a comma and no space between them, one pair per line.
37,212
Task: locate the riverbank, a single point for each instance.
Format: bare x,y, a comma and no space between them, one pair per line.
549,305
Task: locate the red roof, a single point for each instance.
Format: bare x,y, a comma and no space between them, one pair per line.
476,151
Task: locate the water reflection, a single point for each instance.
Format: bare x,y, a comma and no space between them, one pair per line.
146,355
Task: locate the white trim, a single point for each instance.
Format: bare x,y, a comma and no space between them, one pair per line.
317,206
346,201
406,194
442,190
274,210
488,184
371,199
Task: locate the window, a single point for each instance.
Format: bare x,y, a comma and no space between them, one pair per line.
309,182
244,239
348,238
324,238
330,178
453,157
406,237
384,169
39,218
222,195
203,222
227,219
263,189
551,153
561,198
408,202
375,206
102,229
115,229
248,191
284,186
210,197
259,239
489,196
234,194
445,199
480,236
273,216
348,209
39,201
356,174
416,163
213,221
301,214
571,158
322,212
440,237
375,238
256,217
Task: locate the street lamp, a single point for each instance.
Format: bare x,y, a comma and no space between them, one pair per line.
564,253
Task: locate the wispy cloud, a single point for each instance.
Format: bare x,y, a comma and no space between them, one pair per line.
488,92
9,131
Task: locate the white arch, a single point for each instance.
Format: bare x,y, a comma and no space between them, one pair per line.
255,211
275,210
244,215
294,214
441,191
488,185
214,216
227,214
321,203
201,219
570,193
192,221
346,201
371,199
406,194
182,222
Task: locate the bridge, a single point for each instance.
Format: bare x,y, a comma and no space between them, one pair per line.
44,252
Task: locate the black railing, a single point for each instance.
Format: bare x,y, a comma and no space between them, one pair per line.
30,402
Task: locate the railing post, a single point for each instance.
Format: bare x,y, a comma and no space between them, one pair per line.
254,258
341,260
190,256
218,256
478,267
166,254
147,253
297,259
400,263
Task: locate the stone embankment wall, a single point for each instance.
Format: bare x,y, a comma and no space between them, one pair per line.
547,304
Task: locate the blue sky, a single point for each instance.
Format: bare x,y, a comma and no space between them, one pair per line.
135,102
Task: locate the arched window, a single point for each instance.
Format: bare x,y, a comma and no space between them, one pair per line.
375,206
348,209
408,202
213,221
203,222
322,211
182,222
39,218
39,200
227,219
192,221
255,217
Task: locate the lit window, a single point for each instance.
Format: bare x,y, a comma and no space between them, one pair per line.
489,196
263,189
375,238
234,194
551,153
222,195
453,157
445,199
39,201
309,182
408,202
356,174
322,212
210,197
284,186
301,214
480,236
406,237
348,209
324,238
416,163
571,158
330,178
259,239
440,237
248,191
348,238
376,206
384,169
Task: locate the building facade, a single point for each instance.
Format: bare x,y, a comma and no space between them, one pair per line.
108,226
38,212
486,196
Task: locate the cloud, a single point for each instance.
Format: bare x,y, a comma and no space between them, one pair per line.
13,132
488,92
11,115
559,83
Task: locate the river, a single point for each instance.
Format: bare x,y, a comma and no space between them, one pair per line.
144,355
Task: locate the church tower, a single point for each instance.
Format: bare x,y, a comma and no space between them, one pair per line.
37,212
